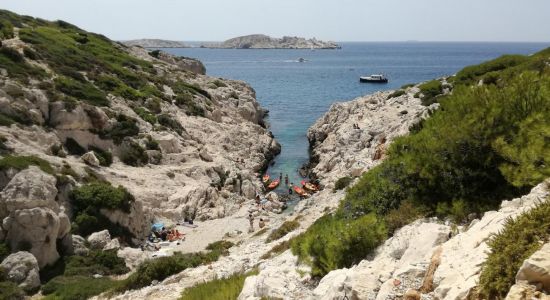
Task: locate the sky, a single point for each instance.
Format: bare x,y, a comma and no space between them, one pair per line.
337,20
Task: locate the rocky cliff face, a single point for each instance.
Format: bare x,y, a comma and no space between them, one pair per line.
260,41
184,144
352,137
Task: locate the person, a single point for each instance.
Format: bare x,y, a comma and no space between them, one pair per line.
290,188
286,179
251,220
258,200
163,234
261,224
280,176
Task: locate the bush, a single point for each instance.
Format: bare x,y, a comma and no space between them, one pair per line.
277,249
471,74
396,94
84,91
333,242
133,154
151,144
219,83
163,267
342,183
124,127
97,195
406,213
73,147
145,115
520,238
4,251
284,229
6,30
430,90
166,120
23,162
11,291
155,53
96,262
17,68
218,289
76,287
105,157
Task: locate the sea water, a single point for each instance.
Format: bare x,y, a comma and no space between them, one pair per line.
298,93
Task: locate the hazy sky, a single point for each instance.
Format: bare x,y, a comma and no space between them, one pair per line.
339,20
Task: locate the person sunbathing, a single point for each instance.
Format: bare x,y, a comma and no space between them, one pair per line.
174,235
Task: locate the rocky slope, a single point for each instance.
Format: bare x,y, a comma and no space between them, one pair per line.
155,43
260,41
182,143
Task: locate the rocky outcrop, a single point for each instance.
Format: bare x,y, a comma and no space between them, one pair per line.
155,43
260,41
351,137
536,269
22,269
32,219
98,240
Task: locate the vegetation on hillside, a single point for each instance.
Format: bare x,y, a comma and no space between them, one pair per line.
218,289
486,143
520,238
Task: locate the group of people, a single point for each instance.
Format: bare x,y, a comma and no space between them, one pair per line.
168,234
286,182
261,223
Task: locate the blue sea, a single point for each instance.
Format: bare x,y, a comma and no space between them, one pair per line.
296,94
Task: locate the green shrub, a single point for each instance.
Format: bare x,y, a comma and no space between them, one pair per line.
342,183
181,87
101,195
396,94
430,90
219,83
23,162
155,53
471,74
105,157
333,242
96,262
17,68
163,267
84,91
406,86
133,154
76,287
6,120
124,127
73,147
4,251
167,121
11,291
519,239
12,54
6,30
406,213
151,144
277,249
284,229
145,115
218,289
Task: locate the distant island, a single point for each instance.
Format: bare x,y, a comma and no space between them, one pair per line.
261,41
155,43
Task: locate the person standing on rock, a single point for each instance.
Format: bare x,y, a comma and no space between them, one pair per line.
290,188
280,176
251,220
286,179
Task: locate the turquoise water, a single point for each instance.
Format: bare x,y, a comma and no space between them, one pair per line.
297,94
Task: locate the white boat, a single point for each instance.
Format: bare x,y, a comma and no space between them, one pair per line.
375,78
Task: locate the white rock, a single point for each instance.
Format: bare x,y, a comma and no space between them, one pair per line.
536,269
113,244
90,159
22,268
98,240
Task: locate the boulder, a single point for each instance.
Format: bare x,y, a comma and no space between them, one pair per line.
521,291
113,244
204,155
79,245
34,230
411,295
64,119
29,188
248,189
98,240
132,256
22,268
536,269
90,159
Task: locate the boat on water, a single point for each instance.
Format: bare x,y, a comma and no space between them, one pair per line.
375,78
310,186
300,191
265,178
274,184
301,59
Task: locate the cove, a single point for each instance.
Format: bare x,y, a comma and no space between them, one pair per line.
298,93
